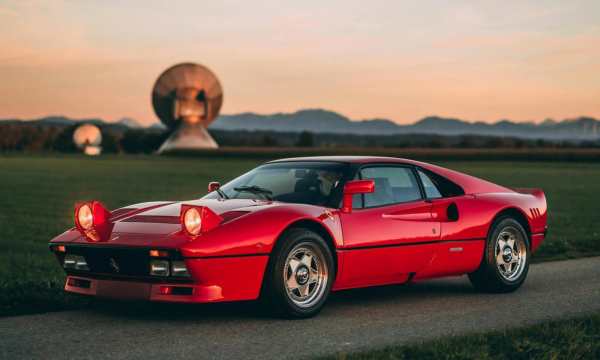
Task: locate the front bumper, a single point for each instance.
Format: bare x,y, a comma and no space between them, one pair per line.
213,280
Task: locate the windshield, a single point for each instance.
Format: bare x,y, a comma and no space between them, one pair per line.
314,183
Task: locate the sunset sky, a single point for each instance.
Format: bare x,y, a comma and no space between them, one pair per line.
402,60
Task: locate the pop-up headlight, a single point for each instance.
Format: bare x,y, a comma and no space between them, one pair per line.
92,220
198,219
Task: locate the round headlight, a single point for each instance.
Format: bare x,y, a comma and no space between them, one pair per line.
192,221
85,217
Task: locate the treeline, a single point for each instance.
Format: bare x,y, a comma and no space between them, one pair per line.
119,139
39,138
328,140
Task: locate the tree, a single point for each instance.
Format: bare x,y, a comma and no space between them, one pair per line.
64,141
110,144
268,140
306,139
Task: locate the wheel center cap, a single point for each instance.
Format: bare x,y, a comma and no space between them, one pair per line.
507,254
302,275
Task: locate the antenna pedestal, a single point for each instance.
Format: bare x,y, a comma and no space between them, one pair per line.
188,137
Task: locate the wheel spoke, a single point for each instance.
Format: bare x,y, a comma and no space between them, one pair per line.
313,276
511,243
292,283
307,260
294,265
499,258
501,244
304,290
503,268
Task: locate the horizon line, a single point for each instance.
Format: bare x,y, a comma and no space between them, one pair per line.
157,121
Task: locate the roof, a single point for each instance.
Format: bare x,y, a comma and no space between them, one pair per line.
470,184
349,159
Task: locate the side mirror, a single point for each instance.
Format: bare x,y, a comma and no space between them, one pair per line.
355,187
213,186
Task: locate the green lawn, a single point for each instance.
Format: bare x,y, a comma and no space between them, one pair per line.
562,339
37,194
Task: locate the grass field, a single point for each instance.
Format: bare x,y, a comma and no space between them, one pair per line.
563,339
37,194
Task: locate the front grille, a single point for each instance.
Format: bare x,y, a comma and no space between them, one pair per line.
117,262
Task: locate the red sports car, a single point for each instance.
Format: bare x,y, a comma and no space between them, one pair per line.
291,231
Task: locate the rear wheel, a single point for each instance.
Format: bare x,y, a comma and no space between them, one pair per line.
300,275
506,259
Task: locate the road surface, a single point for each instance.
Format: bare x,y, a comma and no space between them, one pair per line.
352,320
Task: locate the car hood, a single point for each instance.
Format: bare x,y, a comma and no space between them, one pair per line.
157,224
163,218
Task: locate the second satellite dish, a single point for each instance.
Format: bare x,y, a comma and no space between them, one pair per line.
88,138
187,98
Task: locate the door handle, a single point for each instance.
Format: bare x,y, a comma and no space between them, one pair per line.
421,216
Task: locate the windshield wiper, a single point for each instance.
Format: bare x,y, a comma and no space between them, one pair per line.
254,189
222,194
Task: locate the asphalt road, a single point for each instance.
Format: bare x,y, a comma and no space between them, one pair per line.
352,320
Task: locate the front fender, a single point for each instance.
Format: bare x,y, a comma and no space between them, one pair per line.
256,232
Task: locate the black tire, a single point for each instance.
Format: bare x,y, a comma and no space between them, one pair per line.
490,277
275,295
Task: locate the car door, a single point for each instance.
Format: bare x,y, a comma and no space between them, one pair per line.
390,233
462,234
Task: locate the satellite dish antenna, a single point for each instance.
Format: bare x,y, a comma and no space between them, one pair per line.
88,138
186,98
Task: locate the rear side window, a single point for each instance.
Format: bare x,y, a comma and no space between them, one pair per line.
431,191
392,185
437,186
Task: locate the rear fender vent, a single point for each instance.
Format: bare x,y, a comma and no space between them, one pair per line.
535,213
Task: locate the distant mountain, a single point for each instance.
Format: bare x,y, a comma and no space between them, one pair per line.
65,121
311,120
317,120
130,123
324,121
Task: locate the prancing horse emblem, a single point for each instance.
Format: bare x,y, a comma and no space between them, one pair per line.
113,265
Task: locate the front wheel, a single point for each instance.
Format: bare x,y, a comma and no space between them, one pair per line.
506,259
300,275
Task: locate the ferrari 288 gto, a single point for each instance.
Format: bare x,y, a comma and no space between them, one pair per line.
291,231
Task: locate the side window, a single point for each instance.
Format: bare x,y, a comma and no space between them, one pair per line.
393,185
437,186
431,191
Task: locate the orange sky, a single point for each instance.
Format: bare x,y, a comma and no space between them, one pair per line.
403,61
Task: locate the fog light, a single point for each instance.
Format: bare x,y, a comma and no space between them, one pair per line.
69,262
75,262
81,264
159,268
178,268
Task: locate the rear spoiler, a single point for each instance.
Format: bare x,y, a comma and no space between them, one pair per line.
537,192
